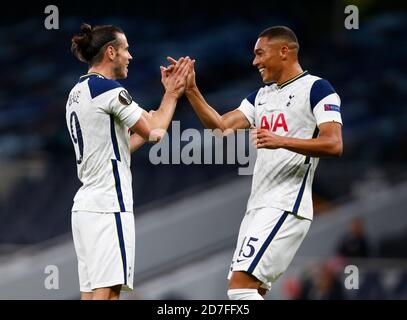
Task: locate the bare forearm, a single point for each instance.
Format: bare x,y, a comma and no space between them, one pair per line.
318,147
209,117
136,141
161,118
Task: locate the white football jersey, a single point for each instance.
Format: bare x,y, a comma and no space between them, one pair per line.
99,113
283,179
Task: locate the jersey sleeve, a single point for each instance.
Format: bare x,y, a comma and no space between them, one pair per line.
112,98
124,108
247,107
325,102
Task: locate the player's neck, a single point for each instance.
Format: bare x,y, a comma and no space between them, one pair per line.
105,72
290,73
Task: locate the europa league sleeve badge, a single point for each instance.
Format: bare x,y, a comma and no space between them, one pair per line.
125,98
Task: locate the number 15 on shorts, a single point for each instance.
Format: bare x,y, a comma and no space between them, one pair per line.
247,250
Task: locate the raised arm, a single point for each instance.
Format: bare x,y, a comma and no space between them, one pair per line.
209,117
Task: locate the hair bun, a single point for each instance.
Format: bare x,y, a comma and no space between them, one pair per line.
86,28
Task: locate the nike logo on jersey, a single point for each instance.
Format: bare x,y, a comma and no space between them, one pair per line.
240,260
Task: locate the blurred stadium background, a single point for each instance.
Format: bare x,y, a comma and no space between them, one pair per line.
187,216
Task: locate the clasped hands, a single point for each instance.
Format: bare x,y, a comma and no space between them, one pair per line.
179,77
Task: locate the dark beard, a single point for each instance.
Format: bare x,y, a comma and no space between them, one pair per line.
118,73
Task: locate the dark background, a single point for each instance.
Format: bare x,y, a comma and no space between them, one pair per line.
367,67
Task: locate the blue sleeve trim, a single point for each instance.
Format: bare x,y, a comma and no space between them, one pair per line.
251,97
97,86
319,90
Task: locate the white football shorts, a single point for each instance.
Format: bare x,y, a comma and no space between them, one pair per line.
267,242
104,245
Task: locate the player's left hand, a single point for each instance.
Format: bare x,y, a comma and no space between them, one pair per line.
174,81
262,138
191,82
